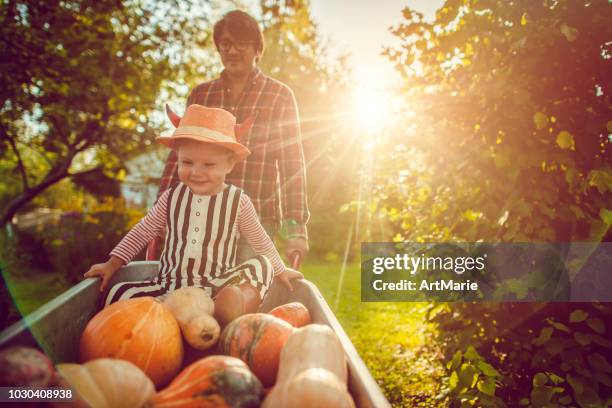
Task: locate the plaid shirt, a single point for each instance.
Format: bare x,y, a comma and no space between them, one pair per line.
273,175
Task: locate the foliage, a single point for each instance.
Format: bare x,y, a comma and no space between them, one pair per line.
83,237
508,133
550,356
508,109
79,80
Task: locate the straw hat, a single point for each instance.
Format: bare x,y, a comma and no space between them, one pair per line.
209,125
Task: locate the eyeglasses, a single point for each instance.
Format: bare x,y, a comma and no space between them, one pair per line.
240,45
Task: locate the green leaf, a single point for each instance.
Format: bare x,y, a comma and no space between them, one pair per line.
578,315
453,380
597,325
467,375
588,399
582,338
544,336
600,179
540,379
540,120
606,215
524,402
487,369
471,354
487,386
565,140
454,363
599,362
559,326
575,382
541,396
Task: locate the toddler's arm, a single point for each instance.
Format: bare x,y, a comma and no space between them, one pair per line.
258,238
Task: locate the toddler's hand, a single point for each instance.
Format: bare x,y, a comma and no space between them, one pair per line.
286,277
105,270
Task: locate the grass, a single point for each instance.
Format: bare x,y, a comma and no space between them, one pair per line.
393,339
32,290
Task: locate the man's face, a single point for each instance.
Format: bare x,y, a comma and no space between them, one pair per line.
239,57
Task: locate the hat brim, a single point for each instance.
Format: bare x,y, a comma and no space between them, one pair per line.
238,149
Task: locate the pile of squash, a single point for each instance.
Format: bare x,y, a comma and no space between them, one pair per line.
134,347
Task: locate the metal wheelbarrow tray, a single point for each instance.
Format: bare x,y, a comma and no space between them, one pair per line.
56,327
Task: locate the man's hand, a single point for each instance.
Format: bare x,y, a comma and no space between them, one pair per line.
105,270
299,245
286,277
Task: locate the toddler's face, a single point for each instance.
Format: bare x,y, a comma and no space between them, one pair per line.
203,167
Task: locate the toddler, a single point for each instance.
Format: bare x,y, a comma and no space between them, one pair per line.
203,218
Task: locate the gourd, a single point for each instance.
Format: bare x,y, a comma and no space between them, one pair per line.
294,313
193,309
314,387
312,346
256,339
139,330
107,383
215,381
25,367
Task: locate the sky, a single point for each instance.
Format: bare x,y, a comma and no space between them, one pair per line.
360,28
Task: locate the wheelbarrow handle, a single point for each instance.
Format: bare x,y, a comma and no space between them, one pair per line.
296,259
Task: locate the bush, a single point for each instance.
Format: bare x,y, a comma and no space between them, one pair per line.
82,238
526,354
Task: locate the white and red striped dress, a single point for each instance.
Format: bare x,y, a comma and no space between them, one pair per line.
200,244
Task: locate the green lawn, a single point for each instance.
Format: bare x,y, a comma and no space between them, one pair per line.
31,291
393,339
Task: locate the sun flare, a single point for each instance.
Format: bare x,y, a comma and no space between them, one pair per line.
372,109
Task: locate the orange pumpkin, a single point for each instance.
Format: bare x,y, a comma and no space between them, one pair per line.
293,313
215,381
141,331
256,339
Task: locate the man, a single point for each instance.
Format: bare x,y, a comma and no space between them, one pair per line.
274,174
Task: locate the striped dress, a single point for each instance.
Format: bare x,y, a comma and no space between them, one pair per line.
200,244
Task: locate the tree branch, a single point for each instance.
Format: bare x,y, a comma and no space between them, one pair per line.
56,174
20,166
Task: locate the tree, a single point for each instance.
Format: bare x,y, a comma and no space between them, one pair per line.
79,82
508,140
511,118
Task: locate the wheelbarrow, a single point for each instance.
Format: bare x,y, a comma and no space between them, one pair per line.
56,326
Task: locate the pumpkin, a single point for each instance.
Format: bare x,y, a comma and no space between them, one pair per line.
314,387
312,346
256,339
139,330
293,313
25,367
108,383
215,381
193,308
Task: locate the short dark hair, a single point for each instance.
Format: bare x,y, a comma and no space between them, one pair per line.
242,26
